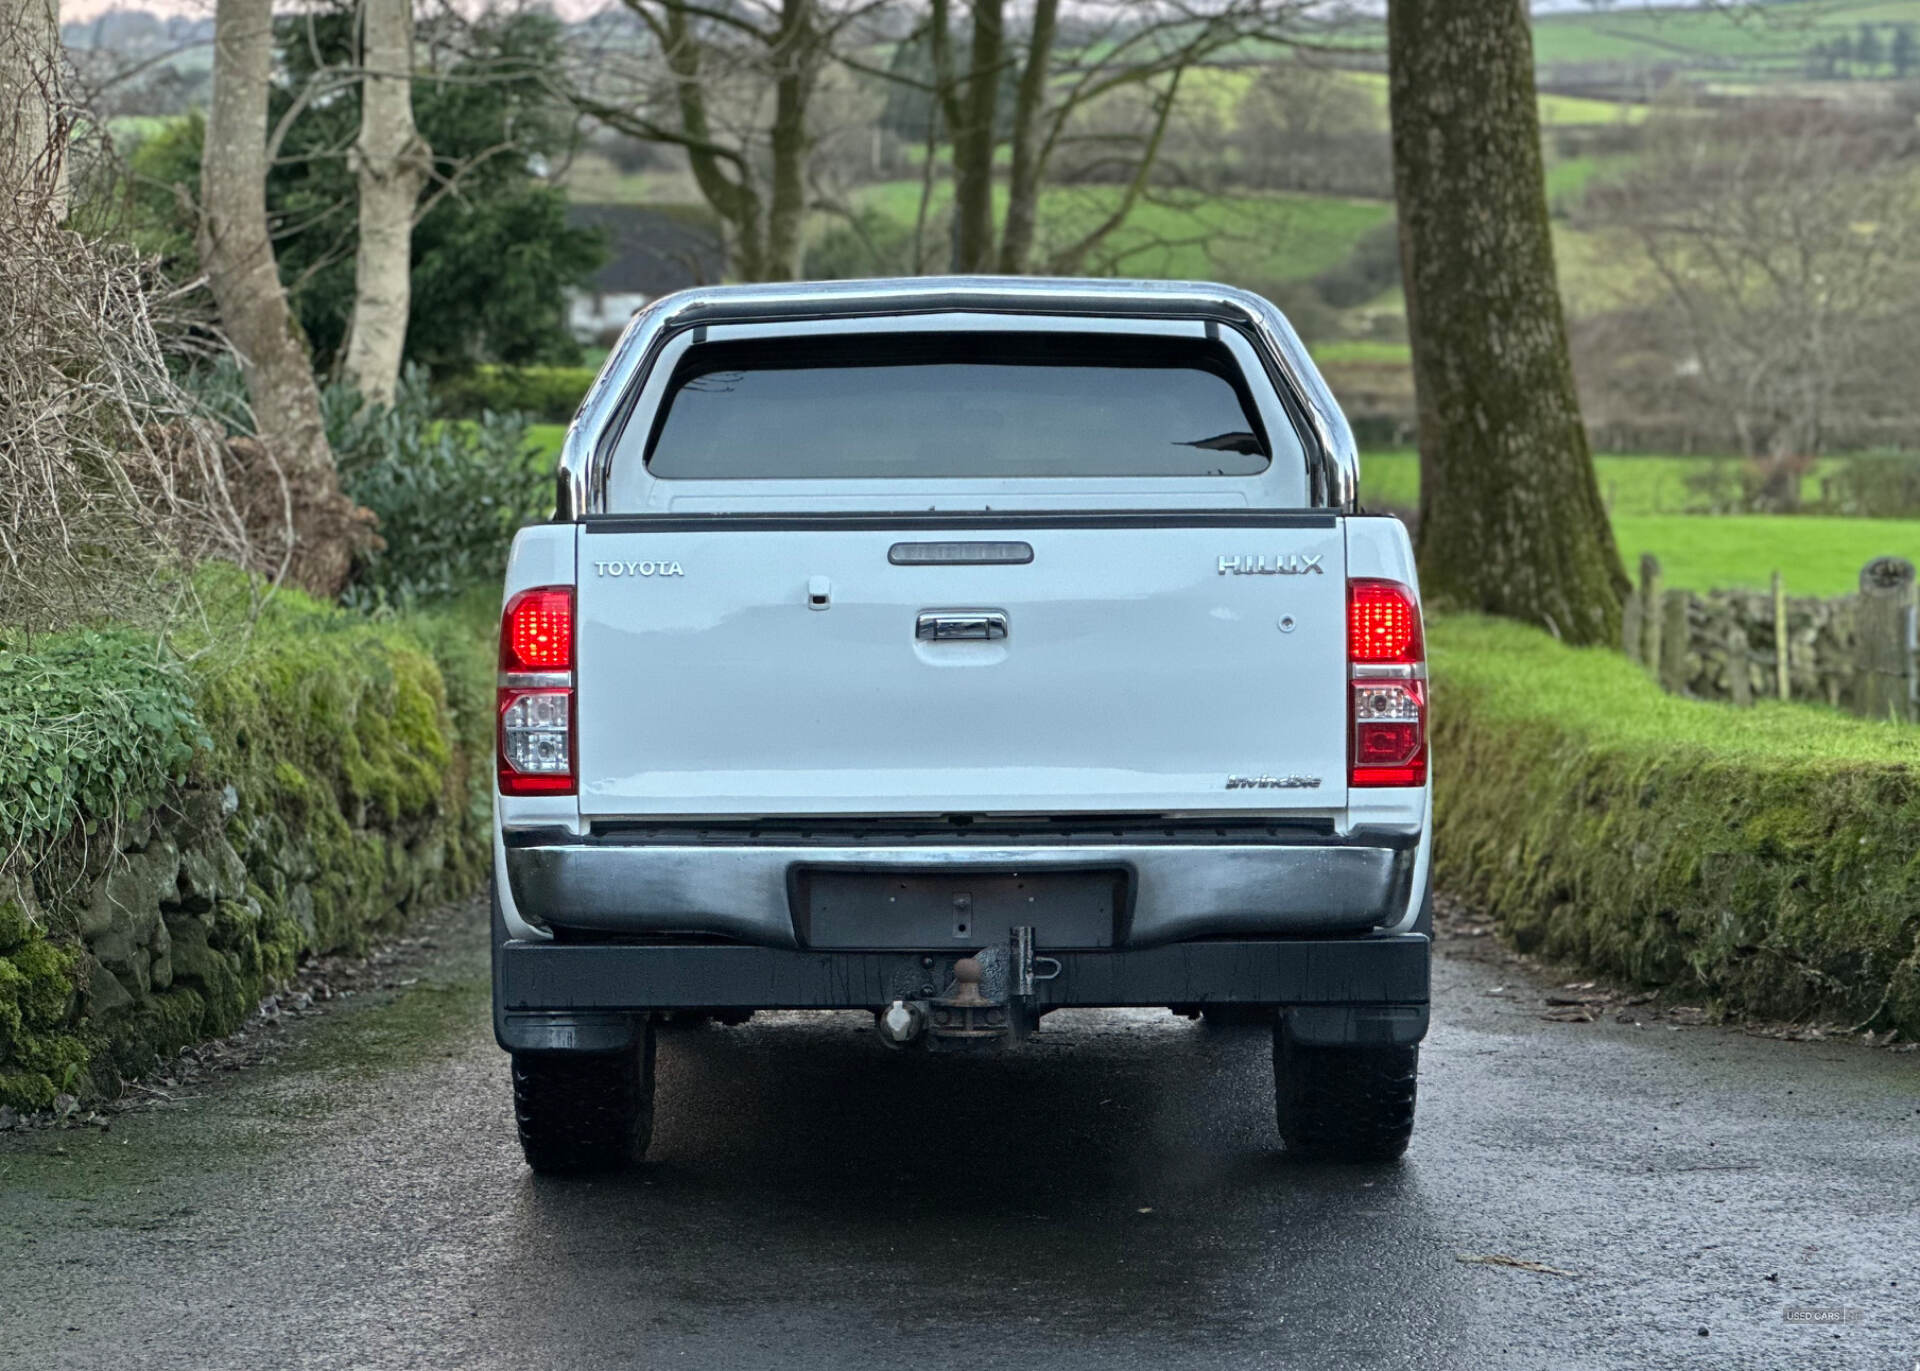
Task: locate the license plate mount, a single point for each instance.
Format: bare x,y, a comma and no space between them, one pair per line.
956,910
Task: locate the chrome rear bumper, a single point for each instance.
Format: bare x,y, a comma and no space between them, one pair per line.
745,891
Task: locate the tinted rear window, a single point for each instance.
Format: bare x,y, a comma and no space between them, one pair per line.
958,405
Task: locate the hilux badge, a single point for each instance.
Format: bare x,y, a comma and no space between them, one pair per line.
1293,564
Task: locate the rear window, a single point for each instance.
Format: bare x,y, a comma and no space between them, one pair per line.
887,406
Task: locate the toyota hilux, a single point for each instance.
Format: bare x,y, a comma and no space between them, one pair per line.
960,650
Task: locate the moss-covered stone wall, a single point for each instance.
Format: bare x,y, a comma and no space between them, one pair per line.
1765,858
337,788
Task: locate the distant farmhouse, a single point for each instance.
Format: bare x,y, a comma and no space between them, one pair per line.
654,251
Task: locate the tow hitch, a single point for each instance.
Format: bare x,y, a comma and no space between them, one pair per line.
989,1003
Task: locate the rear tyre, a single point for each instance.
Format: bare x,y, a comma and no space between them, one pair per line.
584,1113
1344,1103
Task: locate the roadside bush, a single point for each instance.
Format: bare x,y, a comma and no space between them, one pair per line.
1875,486
280,779
1762,857
93,727
1372,267
874,244
449,495
111,487
544,394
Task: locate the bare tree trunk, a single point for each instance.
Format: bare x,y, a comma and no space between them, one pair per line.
795,59
732,196
32,122
237,252
1023,182
973,141
1511,521
390,162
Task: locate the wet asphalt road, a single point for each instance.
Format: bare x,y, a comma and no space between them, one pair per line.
1113,1198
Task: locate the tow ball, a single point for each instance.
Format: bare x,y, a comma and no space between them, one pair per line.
963,1014
989,1004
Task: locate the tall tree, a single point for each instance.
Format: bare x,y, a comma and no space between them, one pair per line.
236,250
750,163
492,252
1511,521
1119,46
1787,241
32,121
390,162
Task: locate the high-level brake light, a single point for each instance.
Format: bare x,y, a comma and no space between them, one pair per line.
1387,662
536,736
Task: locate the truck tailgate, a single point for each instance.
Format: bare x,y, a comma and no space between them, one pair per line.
876,665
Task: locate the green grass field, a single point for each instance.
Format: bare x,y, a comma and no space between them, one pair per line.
546,438
1647,495
1759,40
128,129
1243,238
1817,555
1555,110
1372,352
1633,485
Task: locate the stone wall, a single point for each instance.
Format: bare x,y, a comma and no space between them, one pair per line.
1758,859
1745,646
338,794
1731,632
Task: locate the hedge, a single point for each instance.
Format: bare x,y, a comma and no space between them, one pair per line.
1764,858
547,394
198,817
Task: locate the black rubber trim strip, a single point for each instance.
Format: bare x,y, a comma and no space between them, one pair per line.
956,519
567,978
1305,832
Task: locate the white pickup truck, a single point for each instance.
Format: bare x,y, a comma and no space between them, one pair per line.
960,650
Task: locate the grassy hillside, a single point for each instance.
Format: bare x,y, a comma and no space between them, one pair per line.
1244,238
1758,40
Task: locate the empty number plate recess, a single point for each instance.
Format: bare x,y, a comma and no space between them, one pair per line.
928,911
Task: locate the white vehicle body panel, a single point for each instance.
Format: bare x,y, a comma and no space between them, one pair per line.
1134,674
1134,677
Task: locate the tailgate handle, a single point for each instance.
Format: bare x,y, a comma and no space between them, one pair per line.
960,625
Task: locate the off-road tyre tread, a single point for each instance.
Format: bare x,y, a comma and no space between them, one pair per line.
1344,1103
584,1114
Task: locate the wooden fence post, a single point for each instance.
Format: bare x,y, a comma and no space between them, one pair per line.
1650,613
1672,660
1782,662
1885,685
1739,663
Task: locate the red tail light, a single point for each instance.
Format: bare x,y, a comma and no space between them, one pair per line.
1383,625
1387,660
535,718
536,632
